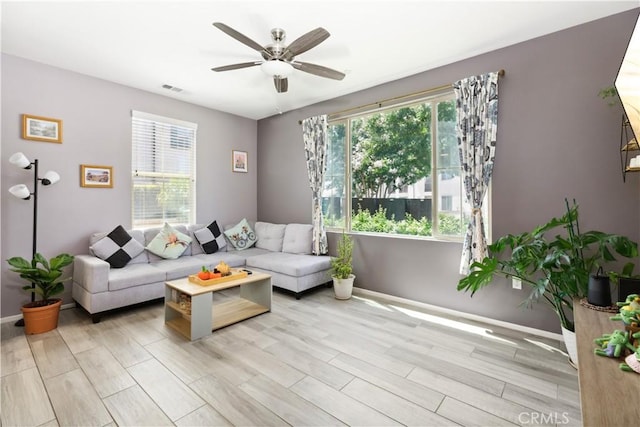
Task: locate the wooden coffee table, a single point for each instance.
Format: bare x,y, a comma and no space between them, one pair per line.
205,317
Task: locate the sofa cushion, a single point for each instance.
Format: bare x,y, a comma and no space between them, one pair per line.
270,236
243,255
241,235
178,268
290,264
169,243
298,239
117,247
210,238
134,275
233,259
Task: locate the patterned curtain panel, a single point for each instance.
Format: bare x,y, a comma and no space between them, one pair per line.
314,134
477,127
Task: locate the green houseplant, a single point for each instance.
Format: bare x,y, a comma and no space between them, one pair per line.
45,279
342,268
556,268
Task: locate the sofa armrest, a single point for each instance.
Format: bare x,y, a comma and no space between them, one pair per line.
91,273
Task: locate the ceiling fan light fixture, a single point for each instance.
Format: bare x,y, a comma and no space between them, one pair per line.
276,67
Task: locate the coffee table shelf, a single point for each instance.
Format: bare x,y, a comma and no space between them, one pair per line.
255,299
234,311
180,325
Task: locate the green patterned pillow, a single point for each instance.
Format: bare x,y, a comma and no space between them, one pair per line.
169,243
241,235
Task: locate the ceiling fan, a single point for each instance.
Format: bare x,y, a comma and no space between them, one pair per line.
278,58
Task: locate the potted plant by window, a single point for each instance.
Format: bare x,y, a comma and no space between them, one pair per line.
342,268
44,279
556,268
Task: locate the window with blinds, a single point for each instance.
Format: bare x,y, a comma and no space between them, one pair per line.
162,170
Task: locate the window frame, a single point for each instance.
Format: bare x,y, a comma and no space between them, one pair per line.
442,95
174,127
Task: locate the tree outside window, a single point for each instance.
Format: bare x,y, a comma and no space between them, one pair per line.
400,172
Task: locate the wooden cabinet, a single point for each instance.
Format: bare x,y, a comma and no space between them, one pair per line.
608,395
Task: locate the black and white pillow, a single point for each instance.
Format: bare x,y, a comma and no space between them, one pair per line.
210,238
117,248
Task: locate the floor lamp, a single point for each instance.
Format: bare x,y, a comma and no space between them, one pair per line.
21,191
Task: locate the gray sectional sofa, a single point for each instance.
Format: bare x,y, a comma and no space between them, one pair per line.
281,250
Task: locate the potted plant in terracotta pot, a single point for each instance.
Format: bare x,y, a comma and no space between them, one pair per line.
44,279
556,268
342,268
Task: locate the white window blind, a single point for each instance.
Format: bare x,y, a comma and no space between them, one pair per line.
163,170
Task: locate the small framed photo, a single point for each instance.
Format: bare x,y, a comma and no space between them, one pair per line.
41,129
239,161
96,176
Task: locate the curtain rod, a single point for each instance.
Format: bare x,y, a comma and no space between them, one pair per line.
411,95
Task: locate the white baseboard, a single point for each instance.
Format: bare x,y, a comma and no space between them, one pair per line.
380,295
507,325
17,317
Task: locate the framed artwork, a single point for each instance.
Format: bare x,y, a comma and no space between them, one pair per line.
96,176
239,161
41,129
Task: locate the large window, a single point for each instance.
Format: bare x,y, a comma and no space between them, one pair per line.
397,171
162,170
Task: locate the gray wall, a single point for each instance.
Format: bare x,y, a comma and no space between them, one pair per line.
556,139
96,118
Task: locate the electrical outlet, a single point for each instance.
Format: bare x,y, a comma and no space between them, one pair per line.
516,283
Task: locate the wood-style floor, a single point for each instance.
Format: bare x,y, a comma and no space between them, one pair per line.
316,361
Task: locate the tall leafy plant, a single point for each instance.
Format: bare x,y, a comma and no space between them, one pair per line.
556,268
341,264
45,275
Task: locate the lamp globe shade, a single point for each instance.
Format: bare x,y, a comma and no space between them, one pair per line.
20,191
20,160
51,177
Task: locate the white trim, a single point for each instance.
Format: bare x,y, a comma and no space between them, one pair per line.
507,325
17,317
163,119
356,290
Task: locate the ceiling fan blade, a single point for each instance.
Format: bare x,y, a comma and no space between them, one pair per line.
282,84
318,70
241,38
236,66
305,42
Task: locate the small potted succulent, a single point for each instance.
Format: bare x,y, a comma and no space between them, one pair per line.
342,268
44,279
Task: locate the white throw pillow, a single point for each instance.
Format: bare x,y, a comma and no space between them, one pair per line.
169,243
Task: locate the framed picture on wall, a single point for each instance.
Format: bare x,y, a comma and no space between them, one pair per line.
44,129
239,161
96,176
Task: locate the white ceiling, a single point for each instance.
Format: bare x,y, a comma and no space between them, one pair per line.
146,44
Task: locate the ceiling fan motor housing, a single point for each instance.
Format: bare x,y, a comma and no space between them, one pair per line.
277,48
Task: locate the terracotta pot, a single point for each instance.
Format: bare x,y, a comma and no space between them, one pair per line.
40,319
